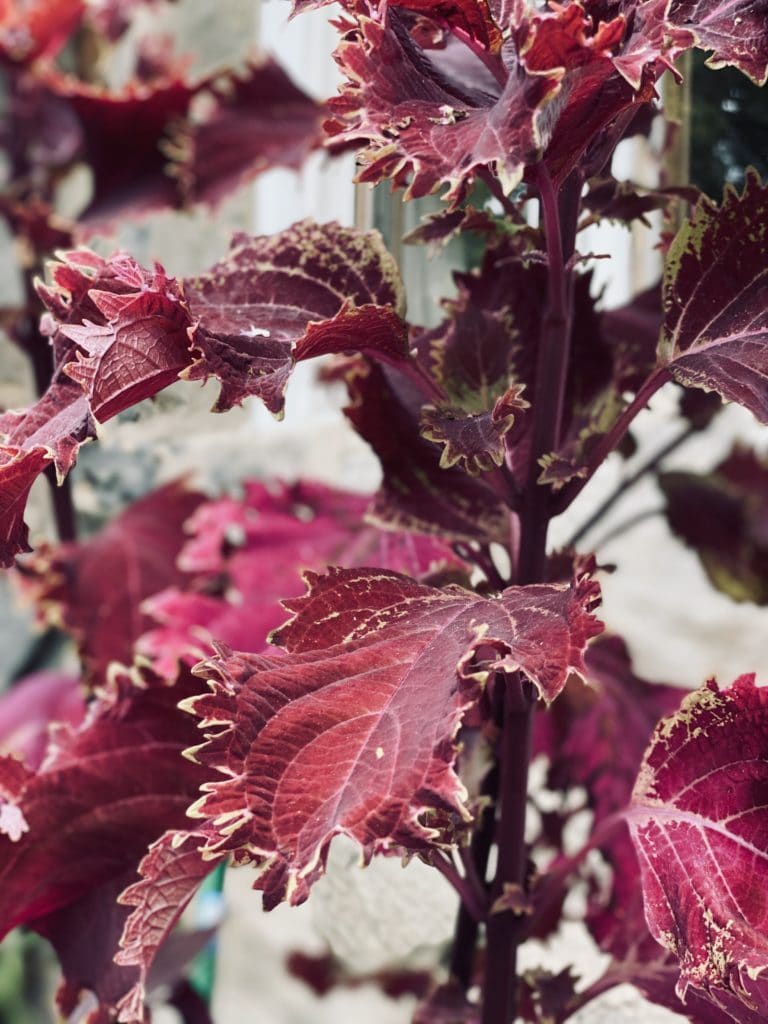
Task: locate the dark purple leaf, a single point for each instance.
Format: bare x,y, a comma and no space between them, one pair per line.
737,32
716,299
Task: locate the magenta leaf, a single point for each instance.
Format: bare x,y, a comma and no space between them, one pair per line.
736,32
699,826
74,584
386,689
723,516
31,706
716,297
103,794
245,555
36,28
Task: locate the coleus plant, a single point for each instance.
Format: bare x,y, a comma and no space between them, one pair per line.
418,672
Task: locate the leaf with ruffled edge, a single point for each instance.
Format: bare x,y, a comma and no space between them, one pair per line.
308,291
715,333
433,116
736,32
700,829
171,873
354,731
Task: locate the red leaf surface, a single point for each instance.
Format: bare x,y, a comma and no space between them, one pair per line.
436,116
104,793
48,433
361,717
700,829
170,875
716,299
245,555
309,290
36,28
32,705
736,32
95,588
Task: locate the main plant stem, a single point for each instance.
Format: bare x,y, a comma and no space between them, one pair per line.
504,928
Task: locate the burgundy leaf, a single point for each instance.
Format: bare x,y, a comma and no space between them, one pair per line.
48,433
32,705
736,32
473,440
723,516
386,689
245,555
716,299
140,346
433,117
256,120
700,829
632,330
309,290
104,793
95,588
416,493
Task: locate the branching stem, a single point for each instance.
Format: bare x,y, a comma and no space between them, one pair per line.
628,482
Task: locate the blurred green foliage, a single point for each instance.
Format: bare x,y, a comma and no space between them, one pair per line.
729,128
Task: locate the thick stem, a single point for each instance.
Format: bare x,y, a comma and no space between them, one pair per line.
505,929
628,482
465,936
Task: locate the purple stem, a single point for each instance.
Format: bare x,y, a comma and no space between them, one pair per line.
610,441
473,900
505,930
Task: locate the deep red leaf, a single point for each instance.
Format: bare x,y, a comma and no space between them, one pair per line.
48,433
104,793
361,717
95,588
171,873
309,290
255,120
700,828
416,492
433,117
736,32
716,299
